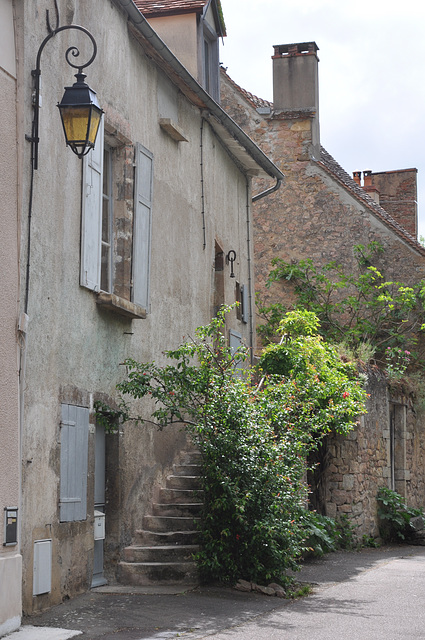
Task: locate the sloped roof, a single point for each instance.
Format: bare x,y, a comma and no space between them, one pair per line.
332,167
157,8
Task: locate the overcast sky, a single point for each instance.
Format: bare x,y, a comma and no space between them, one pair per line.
371,73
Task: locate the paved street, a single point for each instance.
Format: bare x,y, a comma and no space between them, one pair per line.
371,594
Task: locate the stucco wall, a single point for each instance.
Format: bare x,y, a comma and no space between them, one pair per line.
74,347
180,34
10,559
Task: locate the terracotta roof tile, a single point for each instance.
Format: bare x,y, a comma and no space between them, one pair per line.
335,169
160,7
329,163
256,102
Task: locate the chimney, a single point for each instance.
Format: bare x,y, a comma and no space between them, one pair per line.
369,187
398,196
296,84
357,175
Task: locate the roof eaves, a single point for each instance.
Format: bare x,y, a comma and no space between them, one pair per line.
333,168
193,90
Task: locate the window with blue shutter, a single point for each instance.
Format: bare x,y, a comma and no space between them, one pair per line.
74,441
92,215
117,278
142,226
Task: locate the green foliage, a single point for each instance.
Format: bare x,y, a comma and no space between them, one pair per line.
110,418
324,534
253,441
394,516
321,393
397,361
352,308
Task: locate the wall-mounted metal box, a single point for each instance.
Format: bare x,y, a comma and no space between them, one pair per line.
10,526
42,579
99,525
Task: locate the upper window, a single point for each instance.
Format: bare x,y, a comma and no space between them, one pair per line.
116,223
211,74
107,220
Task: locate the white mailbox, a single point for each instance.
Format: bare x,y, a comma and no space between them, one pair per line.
99,525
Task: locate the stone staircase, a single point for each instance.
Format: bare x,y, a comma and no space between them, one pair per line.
163,551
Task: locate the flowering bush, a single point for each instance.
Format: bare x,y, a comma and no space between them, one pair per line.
353,309
397,361
254,441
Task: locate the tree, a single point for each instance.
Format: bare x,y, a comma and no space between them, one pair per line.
254,439
358,310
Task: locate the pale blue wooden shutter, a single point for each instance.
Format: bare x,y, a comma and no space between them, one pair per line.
142,226
91,224
73,461
244,303
235,343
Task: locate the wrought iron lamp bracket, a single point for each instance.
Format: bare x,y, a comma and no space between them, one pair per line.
36,73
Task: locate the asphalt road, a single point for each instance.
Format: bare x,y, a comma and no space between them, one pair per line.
368,595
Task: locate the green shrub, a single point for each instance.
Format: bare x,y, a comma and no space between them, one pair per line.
254,442
394,516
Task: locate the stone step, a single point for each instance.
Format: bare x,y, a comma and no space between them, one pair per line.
187,469
169,523
192,457
151,538
180,495
160,554
177,509
148,573
183,482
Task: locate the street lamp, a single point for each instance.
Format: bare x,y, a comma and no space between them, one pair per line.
81,115
79,109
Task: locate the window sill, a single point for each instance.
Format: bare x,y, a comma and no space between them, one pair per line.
172,129
119,305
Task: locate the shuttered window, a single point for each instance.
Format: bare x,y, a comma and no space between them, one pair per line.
235,343
244,303
74,439
103,169
142,226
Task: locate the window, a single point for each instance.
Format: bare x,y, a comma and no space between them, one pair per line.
235,343
74,440
116,224
210,62
107,217
242,297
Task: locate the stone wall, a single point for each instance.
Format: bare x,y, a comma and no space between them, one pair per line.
320,213
386,449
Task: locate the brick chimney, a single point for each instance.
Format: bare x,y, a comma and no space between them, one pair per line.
296,85
357,176
369,186
398,196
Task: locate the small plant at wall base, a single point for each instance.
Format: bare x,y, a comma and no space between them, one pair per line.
394,516
253,440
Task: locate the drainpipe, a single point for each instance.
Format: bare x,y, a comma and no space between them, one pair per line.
267,192
248,242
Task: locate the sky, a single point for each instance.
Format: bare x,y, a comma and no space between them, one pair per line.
371,73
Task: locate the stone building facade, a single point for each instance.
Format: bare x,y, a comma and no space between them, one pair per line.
127,257
321,212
